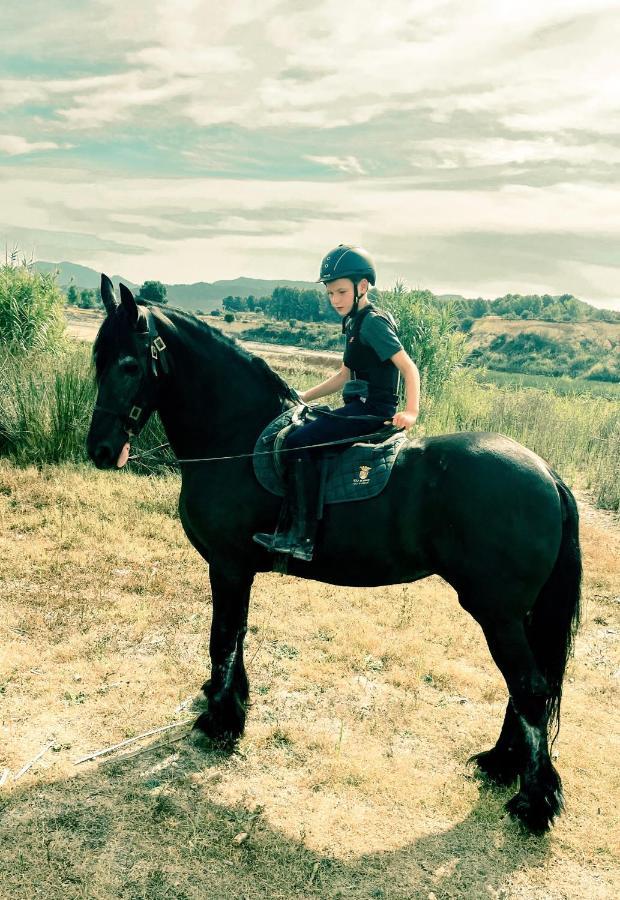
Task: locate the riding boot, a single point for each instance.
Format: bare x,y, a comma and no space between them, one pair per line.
302,498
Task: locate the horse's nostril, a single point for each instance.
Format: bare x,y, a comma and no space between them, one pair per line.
103,456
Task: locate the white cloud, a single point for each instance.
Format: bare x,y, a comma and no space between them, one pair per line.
456,153
15,92
14,145
229,62
538,80
190,61
120,96
350,165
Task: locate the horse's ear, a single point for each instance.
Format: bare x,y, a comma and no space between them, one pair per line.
107,295
131,307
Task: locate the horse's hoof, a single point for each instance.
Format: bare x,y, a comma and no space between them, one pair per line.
493,766
205,736
536,812
222,723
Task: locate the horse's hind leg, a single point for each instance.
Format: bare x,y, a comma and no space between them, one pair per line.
540,796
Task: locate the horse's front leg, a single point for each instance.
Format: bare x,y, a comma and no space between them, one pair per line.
227,689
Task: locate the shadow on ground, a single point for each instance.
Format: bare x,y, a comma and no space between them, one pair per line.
132,830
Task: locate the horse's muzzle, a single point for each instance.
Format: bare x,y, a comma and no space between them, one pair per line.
103,454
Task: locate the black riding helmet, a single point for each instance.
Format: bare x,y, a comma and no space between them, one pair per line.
348,262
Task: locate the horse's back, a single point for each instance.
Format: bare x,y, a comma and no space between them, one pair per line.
478,500
483,458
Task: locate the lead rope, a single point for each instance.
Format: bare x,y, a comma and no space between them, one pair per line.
200,459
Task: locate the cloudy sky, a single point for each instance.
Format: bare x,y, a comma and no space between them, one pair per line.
471,147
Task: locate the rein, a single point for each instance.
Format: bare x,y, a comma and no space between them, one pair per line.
154,346
177,461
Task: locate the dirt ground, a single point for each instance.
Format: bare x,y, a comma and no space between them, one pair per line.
84,324
351,780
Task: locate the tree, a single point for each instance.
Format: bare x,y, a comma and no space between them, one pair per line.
479,308
234,304
152,292
87,299
264,305
72,295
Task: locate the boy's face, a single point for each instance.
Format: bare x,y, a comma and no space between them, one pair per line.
341,296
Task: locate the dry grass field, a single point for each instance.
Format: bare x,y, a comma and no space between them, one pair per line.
351,780
606,334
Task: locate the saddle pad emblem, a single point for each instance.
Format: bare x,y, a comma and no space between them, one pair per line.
363,476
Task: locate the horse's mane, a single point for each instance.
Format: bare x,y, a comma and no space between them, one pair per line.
202,335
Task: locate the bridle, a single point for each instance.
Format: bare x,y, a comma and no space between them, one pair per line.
154,364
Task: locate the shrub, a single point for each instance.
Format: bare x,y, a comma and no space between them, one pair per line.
430,335
229,317
31,309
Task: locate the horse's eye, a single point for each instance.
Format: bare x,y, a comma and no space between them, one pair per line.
129,367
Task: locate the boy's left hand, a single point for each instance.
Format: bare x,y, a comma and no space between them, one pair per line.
404,419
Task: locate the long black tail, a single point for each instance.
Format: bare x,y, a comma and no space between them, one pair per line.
556,615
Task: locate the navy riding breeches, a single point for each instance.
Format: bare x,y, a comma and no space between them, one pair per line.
353,420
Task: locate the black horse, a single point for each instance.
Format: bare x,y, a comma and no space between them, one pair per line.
480,510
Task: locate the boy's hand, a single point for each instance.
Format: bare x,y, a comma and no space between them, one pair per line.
404,419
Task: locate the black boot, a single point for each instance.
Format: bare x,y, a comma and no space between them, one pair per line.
302,499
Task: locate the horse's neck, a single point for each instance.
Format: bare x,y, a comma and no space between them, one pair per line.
213,401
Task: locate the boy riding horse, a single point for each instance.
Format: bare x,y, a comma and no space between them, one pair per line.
374,362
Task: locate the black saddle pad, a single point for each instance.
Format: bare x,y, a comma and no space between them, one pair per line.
358,472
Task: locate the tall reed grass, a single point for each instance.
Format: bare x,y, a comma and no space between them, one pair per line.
31,308
578,434
45,404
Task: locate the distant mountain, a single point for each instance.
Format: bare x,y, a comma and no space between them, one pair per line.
80,276
192,296
205,295
185,296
